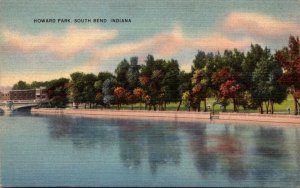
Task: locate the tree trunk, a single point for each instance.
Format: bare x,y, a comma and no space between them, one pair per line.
165,107
199,106
296,105
234,105
205,107
179,105
267,106
272,107
261,108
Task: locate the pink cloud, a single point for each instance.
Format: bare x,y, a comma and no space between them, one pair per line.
258,25
217,42
75,40
167,44
71,42
164,44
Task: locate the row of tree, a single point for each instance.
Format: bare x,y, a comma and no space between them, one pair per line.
254,80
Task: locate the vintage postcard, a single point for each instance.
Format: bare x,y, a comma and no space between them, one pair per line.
156,93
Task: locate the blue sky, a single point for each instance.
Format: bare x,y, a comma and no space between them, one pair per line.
166,29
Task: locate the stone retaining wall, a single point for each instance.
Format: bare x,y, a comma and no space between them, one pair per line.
132,113
190,116
276,118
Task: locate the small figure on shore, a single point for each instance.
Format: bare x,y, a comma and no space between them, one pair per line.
289,109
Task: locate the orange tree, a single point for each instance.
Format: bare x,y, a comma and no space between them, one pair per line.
138,94
120,96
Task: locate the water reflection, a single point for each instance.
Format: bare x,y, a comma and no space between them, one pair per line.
205,159
131,145
82,133
163,146
211,150
271,151
234,153
136,140
270,143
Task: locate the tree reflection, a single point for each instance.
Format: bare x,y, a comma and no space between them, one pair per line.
205,160
163,146
270,143
131,145
136,138
217,148
271,151
82,132
231,148
60,126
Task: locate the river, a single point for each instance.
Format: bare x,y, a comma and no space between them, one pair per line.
40,150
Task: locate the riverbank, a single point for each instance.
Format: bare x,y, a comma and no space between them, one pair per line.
125,113
187,116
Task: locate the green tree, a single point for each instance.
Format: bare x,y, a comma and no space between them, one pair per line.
102,76
76,88
58,92
199,62
253,56
171,82
108,91
266,88
21,85
121,73
133,73
185,85
89,90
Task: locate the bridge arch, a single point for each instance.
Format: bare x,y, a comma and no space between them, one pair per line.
17,105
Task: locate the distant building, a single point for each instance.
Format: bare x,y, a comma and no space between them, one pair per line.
28,94
4,96
41,94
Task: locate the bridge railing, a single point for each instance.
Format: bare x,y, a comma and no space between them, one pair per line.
23,101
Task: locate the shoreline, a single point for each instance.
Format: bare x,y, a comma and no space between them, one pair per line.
177,115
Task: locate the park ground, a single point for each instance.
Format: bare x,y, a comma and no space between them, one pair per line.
278,108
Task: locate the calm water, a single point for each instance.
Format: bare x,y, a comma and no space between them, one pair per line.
72,151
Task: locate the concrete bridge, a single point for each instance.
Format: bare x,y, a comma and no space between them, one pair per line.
15,105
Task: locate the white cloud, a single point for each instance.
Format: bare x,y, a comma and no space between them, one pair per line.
167,44
259,25
70,43
75,40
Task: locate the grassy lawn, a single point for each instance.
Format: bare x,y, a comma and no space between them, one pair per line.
278,108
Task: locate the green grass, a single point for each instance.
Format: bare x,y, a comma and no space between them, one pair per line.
278,108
